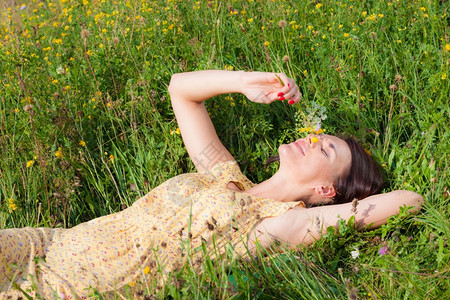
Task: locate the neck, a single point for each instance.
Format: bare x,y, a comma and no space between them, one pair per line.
280,189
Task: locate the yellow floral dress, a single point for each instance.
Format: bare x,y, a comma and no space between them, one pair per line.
153,236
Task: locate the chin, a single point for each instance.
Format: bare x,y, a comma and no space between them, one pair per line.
283,150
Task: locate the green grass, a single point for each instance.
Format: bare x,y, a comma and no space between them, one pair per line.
89,79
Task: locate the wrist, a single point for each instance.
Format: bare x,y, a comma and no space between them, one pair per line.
241,77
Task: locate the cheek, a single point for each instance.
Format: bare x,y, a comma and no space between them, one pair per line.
313,166
318,168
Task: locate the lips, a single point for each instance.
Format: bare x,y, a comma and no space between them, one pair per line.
300,146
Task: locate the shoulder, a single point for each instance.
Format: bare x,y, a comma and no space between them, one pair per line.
230,171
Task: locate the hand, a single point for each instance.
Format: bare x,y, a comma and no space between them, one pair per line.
262,87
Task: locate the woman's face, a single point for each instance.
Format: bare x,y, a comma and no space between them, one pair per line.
315,163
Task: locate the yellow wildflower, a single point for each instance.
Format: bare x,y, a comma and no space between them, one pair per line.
82,143
318,131
11,205
30,163
266,43
314,139
177,131
444,76
58,153
111,157
346,34
318,5
447,47
147,270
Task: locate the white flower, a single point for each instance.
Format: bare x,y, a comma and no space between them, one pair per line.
355,253
60,70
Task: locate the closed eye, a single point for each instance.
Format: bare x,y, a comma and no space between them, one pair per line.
324,152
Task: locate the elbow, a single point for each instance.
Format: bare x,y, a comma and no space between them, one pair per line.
412,199
419,201
173,84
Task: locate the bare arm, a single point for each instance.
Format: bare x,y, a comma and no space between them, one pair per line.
188,91
305,225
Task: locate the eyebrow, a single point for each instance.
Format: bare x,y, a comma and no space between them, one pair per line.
331,145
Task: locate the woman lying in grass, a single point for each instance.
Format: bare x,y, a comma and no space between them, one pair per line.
211,209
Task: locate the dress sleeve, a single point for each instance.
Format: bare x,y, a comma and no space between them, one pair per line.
230,171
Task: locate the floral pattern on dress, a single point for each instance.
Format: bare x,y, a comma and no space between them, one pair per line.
158,232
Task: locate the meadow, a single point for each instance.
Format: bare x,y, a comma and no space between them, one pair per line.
86,125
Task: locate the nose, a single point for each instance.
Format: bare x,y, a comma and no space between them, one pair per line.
310,141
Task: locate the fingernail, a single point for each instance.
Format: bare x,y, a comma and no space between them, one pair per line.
280,94
289,86
291,102
281,98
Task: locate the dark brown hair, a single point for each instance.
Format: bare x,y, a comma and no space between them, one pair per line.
363,179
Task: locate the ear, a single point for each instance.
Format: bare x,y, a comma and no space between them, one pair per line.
326,191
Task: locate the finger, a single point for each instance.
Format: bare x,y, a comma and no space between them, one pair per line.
293,88
295,98
283,80
290,86
287,90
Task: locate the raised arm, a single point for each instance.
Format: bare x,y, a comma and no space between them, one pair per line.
305,225
188,91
